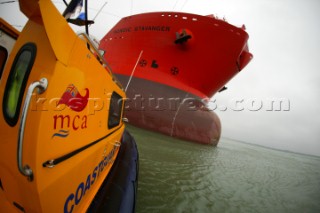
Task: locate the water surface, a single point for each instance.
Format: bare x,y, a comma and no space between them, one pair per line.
179,176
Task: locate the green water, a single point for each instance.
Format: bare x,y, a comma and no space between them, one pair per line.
178,176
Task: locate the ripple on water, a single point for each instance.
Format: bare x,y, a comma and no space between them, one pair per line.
178,176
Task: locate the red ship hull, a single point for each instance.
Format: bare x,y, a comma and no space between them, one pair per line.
183,56
170,111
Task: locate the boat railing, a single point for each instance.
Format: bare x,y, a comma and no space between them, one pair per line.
94,50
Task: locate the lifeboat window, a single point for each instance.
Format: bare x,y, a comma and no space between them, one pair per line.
115,110
16,83
3,59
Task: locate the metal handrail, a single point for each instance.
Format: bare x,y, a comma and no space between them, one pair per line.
42,86
96,51
101,58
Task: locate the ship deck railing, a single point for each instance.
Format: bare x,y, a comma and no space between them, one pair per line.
94,50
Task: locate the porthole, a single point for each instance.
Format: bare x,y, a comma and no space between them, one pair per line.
3,59
16,83
115,110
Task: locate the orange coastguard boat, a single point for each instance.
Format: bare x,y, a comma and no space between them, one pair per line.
59,150
181,61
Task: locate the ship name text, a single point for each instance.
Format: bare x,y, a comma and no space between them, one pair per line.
160,28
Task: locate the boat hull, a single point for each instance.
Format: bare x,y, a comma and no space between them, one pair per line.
180,50
175,57
170,111
118,192
56,150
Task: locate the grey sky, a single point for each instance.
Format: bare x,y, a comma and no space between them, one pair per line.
285,41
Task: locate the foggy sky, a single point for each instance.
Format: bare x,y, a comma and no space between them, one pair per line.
284,38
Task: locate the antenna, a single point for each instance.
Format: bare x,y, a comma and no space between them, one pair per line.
175,4
64,1
8,2
134,68
86,18
99,11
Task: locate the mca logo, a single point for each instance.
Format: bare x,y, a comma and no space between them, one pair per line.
73,99
76,102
